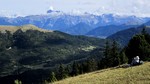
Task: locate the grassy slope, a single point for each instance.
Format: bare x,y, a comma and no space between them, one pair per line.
132,75
23,28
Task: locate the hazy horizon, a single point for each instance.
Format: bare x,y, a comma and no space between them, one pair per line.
37,7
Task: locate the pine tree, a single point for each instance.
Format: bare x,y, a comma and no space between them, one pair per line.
92,65
115,59
104,63
107,50
61,72
138,46
67,70
75,69
52,77
81,71
123,58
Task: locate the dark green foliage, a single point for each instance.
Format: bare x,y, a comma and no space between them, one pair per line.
75,69
67,70
5,40
30,60
115,54
33,50
91,65
104,62
61,74
146,35
123,37
111,56
17,82
52,77
138,46
123,57
21,40
107,50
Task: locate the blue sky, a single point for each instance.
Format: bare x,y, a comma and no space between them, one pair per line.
33,7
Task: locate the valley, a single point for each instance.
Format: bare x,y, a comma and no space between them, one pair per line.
74,42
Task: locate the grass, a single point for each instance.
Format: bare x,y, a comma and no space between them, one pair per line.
89,48
132,75
24,28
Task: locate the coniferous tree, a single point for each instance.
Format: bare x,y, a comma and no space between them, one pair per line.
81,71
85,68
107,50
92,65
22,39
5,40
52,77
115,59
146,35
67,70
75,69
61,72
138,46
123,57
104,62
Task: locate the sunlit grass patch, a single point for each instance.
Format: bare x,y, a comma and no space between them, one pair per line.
132,75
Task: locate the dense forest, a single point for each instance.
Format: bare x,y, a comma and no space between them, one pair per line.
35,57
25,52
113,56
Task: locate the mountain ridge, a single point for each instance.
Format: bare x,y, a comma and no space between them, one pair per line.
123,37
105,31
68,23
24,28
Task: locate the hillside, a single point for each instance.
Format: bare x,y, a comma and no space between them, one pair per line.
24,28
28,48
132,75
123,37
105,31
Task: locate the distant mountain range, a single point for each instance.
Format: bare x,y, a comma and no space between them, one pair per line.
105,31
84,24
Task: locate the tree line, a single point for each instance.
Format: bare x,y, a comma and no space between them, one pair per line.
28,45
113,56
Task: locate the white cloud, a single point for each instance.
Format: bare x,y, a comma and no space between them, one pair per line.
128,7
51,8
11,14
76,12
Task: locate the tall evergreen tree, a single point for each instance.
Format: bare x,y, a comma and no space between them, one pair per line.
123,57
104,63
75,69
115,54
107,50
61,72
67,70
91,65
146,35
138,46
20,40
52,77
